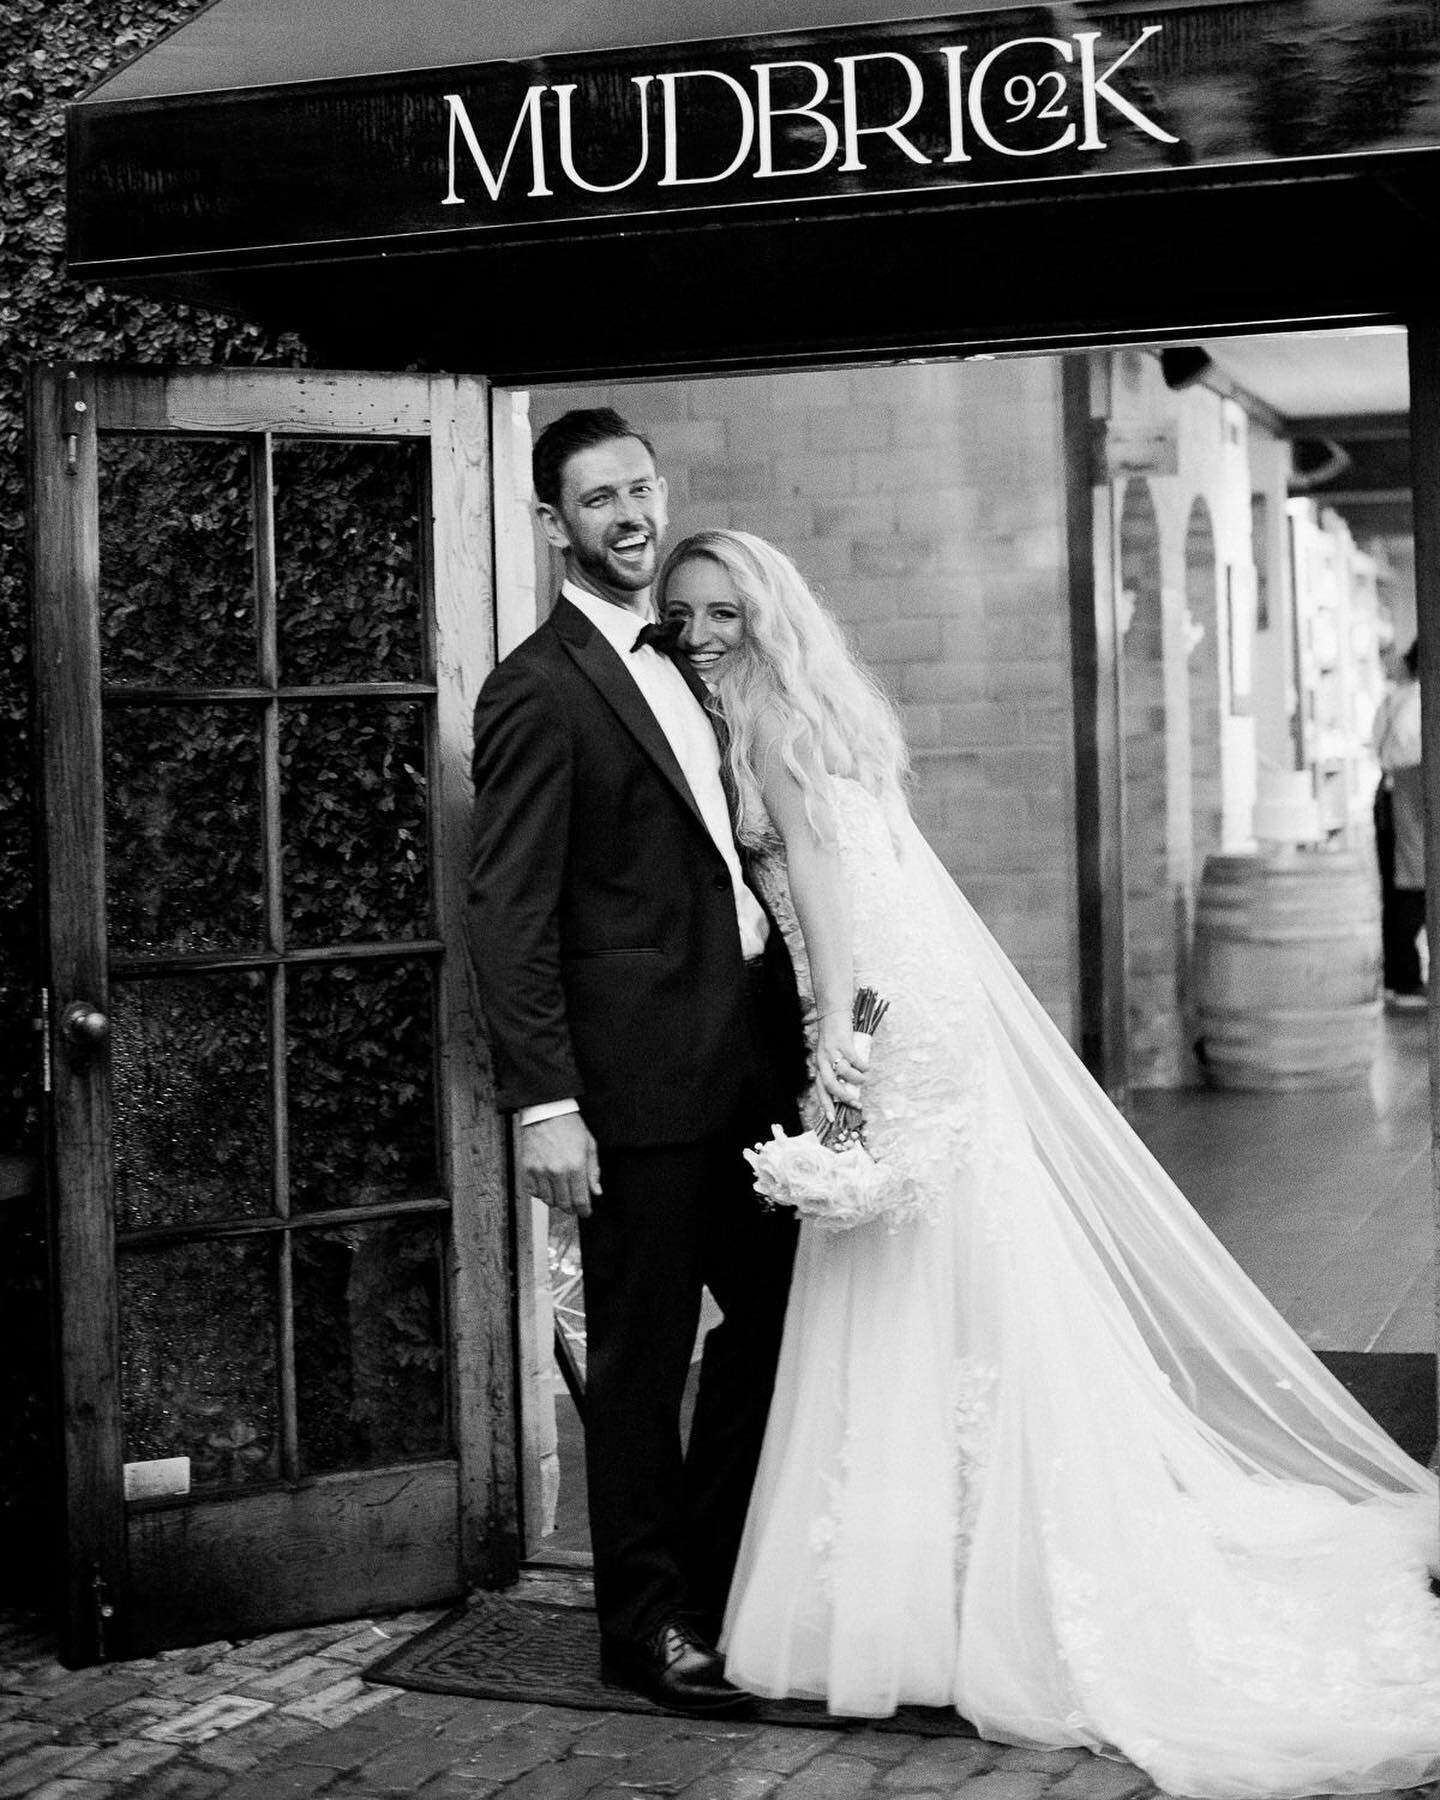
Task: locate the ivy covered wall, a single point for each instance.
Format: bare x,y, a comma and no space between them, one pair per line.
51,51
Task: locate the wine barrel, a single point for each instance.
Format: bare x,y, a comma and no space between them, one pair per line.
1287,969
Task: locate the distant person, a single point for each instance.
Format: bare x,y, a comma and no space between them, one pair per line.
1400,836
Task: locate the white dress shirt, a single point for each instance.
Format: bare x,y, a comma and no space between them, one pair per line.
691,736
1396,735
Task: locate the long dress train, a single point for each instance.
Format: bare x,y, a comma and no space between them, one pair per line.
1044,1453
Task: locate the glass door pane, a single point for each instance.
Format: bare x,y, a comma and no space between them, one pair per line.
267,802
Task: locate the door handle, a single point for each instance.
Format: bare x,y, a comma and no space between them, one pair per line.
84,1028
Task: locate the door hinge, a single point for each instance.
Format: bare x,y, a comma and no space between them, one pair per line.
104,1611
72,416
41,1025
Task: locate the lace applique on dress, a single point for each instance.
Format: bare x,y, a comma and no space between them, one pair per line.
1079,1638
971,1425
974,1415
1274,1659
933,1100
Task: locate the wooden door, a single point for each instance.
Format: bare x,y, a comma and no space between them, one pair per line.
263,608
1424,357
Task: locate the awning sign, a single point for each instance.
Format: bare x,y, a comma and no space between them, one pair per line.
872,114
977,101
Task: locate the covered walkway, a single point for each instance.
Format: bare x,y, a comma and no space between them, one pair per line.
1323,1197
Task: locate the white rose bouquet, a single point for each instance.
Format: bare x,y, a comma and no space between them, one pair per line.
828,1175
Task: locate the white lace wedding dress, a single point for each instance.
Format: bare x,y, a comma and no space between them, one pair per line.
1045,1454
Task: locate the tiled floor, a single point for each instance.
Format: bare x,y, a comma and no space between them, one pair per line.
1323,1197
184,1725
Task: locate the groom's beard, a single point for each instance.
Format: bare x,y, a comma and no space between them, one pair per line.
608,570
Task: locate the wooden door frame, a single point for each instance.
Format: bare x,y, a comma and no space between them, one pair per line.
1424,352
518,610
490,1330
1096,697
62,446
68,405
476,1143
1098,715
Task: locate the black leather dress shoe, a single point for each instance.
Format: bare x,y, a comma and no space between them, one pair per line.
676,1670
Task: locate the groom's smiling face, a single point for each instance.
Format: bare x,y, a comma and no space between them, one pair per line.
610,518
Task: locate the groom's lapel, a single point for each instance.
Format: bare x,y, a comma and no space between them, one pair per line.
600,662
697,687
721,727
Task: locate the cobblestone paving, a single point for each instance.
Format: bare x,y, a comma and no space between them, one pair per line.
289,1717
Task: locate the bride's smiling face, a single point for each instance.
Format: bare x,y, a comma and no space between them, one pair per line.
699,594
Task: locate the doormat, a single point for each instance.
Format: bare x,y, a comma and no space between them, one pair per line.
1396,1388
499,1648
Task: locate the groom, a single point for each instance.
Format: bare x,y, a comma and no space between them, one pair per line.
644,1023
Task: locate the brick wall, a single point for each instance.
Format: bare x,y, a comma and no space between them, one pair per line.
927,502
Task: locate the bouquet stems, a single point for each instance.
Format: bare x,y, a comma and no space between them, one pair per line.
846,1126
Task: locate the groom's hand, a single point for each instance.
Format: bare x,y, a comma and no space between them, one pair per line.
560,1164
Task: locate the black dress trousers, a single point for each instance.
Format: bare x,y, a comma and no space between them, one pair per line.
666,1518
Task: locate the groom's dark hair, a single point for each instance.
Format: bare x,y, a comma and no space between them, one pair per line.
567,436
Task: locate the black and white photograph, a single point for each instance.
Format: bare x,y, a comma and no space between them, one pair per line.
716,1075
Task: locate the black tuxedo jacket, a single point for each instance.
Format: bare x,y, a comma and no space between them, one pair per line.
601,917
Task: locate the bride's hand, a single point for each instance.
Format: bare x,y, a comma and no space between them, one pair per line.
839,1061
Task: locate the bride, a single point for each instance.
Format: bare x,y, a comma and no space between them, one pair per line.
1039,1450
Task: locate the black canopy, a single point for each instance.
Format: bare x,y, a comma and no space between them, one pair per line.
262,43
577,185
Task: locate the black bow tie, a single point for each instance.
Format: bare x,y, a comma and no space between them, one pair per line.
662,634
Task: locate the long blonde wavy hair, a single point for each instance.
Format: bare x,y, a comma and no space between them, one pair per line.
793,672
